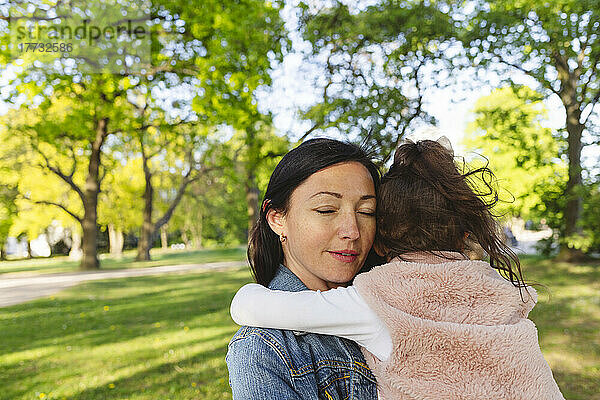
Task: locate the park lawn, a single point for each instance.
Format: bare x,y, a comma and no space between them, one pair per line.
166,337
160,337
159,257
568,319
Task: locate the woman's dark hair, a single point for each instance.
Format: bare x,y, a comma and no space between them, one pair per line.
425,203
264,248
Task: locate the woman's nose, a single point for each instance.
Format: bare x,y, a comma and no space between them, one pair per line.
349,227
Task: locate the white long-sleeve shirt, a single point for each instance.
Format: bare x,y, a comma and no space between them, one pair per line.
339,312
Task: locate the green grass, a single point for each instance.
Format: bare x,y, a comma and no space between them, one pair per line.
568,319
159,258
139,338
166,337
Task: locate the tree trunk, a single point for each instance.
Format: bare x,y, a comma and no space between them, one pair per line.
252,192
196,231
28,248
164,237
186,240
147,233
574,204
574,201
90,200
149,228
575,128
75,252
115,238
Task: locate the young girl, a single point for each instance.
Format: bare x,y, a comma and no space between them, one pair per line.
432,323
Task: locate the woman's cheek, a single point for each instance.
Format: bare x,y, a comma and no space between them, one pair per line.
368,228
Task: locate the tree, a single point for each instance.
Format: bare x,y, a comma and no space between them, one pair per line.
179,150
64,136
253,155
8,211
10,162
377,63
556,43
524,155
222,50
216,208
120,209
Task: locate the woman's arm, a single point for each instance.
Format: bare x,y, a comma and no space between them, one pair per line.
339,312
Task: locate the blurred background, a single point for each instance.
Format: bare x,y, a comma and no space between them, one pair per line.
152,145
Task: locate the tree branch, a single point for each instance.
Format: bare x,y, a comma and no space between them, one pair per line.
594,68
308,132
51,203
57,171
593,103
544,83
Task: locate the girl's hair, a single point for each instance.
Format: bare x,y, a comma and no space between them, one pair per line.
264,249
425,203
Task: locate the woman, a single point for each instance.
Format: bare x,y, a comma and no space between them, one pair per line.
319,210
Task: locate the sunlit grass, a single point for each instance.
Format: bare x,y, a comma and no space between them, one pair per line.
160,257
166,337
139,338
568,321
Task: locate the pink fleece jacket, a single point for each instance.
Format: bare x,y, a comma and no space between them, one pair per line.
459,331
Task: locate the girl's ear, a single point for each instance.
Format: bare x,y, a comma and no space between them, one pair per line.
276,220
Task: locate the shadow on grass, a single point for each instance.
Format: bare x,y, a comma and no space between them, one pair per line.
161,379
192,378
134,306
48,342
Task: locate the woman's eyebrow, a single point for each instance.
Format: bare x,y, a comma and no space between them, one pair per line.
339,196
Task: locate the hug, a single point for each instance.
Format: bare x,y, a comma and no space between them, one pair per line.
365,290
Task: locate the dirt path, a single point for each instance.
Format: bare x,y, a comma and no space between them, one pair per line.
16,290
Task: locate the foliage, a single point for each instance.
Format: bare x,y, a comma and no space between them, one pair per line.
590,217
207,59
121,198
524,155
376,64
543,40
38,189
554,42
9,178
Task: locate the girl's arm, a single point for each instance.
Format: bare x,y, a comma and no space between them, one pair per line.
339,312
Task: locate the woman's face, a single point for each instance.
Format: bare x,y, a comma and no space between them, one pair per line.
329,225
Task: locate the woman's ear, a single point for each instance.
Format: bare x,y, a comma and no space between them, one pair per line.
276,220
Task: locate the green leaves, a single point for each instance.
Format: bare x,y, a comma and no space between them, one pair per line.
374,68
523,154
548,40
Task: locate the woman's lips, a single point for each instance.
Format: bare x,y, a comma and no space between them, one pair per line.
343,256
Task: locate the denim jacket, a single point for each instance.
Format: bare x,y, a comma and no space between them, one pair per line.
278,364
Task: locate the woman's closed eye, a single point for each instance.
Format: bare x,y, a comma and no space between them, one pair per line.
326,211
369,213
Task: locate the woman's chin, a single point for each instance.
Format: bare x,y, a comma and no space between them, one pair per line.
341,277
